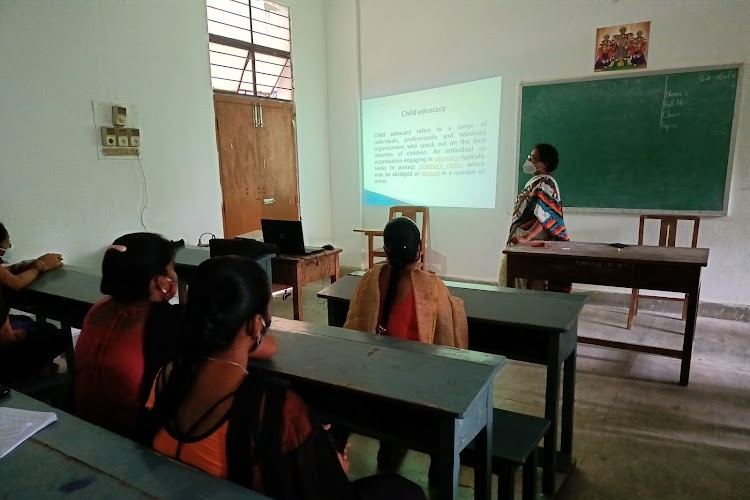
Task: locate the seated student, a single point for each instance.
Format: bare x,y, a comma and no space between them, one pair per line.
209,412
26,346
398,299
128,335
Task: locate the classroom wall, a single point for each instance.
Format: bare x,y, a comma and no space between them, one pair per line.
57,57
407,46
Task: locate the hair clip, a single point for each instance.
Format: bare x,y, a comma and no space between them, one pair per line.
119,248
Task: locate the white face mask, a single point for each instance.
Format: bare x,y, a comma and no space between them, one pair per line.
528,167
8,255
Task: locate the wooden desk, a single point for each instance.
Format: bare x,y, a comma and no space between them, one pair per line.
297,271
386,388
294,271
65,294
74,459
507,321
672,269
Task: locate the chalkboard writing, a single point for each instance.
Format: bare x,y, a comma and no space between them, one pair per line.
652,142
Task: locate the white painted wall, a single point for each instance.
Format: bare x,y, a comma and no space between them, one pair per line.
56,58
311,102
420,44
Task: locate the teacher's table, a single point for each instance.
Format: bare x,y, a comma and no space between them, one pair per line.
537,327
72,458
294,271
671,269
431,398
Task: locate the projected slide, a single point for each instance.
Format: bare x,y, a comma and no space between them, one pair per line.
434,147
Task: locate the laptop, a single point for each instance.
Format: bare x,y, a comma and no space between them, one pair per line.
287,236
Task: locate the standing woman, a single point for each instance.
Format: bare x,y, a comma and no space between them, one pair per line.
538,213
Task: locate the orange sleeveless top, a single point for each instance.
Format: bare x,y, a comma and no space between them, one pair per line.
402,322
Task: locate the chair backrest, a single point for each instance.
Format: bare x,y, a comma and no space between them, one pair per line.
414,213
668,228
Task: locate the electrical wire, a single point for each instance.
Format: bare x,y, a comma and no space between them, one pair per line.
145,193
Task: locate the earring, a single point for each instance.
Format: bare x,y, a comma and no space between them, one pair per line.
255,346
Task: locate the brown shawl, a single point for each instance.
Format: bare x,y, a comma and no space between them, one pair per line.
441,318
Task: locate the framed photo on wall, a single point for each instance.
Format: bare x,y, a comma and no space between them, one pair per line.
622,47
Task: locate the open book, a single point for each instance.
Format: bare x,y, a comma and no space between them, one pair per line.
16,426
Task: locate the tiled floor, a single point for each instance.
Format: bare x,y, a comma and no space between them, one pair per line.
637,433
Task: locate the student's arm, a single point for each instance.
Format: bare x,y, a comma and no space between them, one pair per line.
266,350
21,266
22,279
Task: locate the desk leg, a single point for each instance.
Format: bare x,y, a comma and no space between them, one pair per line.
687,343
297,300
448,461
335,276
70,357
182,291
568,402
483,467
552,398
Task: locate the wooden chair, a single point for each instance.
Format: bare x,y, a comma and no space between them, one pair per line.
667,238
411,212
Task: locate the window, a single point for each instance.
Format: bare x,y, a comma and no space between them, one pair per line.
250,47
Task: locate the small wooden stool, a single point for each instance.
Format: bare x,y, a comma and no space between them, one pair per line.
515,438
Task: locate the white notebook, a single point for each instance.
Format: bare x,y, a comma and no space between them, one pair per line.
16,426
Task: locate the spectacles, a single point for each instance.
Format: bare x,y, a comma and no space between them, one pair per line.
534,158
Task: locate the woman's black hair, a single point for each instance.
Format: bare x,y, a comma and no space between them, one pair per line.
401,241
548,155
129,267
3,232
225,294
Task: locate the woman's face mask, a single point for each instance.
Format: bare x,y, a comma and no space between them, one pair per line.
8,254
528,167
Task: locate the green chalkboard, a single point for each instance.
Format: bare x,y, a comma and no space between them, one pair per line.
651,142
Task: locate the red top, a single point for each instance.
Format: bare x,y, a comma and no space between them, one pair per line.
110,365
402,322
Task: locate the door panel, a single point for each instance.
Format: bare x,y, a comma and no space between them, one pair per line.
279,161
256,162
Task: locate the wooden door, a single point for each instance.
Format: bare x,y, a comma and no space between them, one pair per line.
257,161
278,155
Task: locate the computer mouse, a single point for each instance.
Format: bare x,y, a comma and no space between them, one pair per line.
327,247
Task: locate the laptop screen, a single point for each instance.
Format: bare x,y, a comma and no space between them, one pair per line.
285,234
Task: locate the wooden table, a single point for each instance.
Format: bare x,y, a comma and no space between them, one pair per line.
507,321
392,389
294,271
75,459
65,294
672,269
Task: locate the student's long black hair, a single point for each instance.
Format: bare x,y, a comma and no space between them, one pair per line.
401,241
131,262
225,294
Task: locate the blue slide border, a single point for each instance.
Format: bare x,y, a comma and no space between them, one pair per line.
373,198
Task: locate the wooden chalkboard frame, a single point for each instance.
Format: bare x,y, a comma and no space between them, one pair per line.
635,74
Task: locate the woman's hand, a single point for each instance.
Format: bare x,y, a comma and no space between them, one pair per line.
49,261
519,240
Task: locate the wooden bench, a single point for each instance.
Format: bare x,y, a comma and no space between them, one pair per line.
515,438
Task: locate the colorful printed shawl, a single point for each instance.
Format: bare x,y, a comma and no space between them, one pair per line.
539,200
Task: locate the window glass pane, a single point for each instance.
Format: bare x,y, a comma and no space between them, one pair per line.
230,68
226,85
240,8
